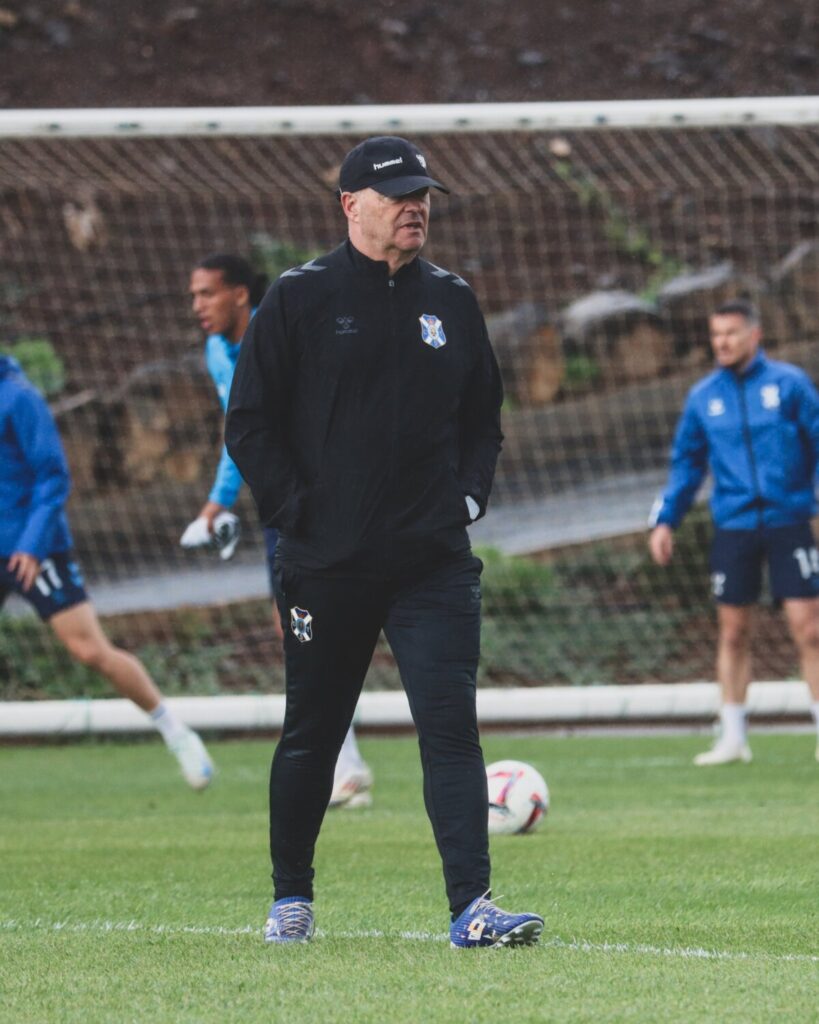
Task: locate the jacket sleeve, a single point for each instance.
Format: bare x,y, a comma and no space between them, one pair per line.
256,430
228,480
39,441
807,417
227,483
689,462
480,431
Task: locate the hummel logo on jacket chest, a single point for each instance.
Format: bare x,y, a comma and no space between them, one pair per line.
346,325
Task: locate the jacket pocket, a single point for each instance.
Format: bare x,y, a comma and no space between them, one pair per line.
457,501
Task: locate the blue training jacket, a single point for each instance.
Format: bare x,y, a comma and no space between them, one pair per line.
758,433
220,359
34,477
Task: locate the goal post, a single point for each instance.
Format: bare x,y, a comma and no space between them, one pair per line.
597,236
377,119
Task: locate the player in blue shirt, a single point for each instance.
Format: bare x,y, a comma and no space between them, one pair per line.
754,422
225,291
36,560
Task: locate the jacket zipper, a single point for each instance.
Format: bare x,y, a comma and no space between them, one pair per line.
746,431
394,425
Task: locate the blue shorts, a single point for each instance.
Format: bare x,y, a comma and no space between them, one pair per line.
271,538
737,558
58,587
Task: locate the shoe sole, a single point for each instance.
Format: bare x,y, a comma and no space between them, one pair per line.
199,782
362,799
526,934
701,761
359,796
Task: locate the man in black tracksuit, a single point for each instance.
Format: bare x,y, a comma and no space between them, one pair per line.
365,415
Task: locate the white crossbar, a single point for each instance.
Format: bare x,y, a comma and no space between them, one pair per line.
417,118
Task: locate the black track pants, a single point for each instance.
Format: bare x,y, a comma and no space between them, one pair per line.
433,628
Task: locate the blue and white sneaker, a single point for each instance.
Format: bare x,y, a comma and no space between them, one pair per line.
290,920
484,924
193,759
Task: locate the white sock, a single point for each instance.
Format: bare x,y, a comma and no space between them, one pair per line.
814,710
168,725
734,728
349,757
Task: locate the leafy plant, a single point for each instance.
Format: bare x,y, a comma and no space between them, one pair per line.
581,373
274,257
595,613
630,238
40,363
34,666
513,585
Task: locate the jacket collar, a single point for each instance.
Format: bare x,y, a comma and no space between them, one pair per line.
756,365
378,269
231,347
753,369
9,366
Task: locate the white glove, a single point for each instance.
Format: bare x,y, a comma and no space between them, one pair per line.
226,533
197,534
473,508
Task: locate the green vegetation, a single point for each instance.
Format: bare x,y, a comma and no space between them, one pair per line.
599,613
34,665
596,614
188,651
184,651
40,363
581,373
272,256
619,227
669,893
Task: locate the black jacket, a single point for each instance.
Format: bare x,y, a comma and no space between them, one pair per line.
360,440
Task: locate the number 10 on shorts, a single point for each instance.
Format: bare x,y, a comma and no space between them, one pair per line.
808,561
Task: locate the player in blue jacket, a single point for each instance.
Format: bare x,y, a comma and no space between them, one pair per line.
225,291
754,423
36,560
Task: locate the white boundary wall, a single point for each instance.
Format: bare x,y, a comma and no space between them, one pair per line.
424,117
548,705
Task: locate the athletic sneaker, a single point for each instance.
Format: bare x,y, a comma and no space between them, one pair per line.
290,920
724,752
193,759
351,789
484,924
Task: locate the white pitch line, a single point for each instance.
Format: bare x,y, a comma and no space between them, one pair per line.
677,951
576,945
38,924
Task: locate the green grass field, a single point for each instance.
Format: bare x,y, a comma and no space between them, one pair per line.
670,893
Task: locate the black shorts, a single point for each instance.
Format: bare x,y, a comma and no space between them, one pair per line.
737,558
58,587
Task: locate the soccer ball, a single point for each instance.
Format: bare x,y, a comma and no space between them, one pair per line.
518,797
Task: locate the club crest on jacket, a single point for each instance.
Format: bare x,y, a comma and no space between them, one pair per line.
301,624
432,331
770,396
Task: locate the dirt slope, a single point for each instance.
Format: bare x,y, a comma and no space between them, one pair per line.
66,53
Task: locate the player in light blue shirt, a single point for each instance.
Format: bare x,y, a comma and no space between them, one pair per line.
225,291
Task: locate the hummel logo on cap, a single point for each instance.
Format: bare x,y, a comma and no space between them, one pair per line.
387,163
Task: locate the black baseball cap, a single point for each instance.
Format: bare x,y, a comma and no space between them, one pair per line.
387,163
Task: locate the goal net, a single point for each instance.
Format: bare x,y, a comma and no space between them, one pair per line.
597,236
